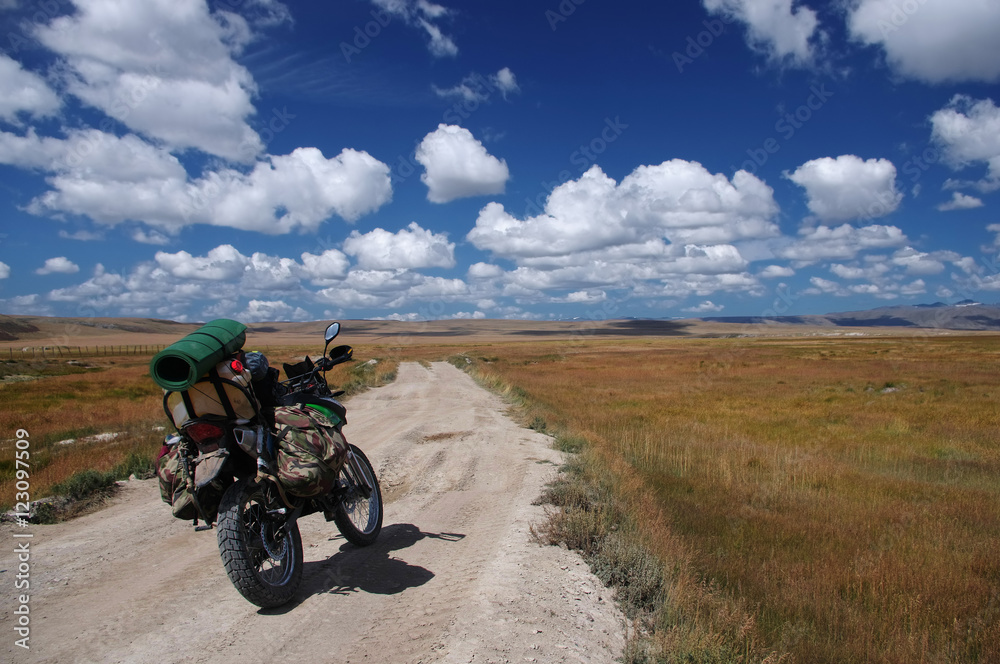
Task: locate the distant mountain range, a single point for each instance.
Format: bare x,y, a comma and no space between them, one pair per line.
965,315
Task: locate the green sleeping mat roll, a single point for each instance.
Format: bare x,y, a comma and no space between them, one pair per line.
179,366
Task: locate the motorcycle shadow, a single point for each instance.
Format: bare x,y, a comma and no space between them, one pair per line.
370,569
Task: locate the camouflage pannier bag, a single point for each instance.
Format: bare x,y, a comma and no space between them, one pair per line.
173,487
311,451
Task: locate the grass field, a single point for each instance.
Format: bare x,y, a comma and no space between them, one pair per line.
797,500
812,500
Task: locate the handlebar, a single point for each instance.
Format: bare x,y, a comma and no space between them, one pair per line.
338,355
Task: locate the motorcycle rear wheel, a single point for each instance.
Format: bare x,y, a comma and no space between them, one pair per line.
262,557
359,518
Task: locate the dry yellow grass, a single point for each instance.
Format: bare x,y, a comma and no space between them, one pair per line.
829,500
814,500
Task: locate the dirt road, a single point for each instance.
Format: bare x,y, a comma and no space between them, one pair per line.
454,576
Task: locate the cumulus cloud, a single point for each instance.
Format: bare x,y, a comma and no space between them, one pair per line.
848,187
778,28
586,297
457,165
667,230
825,286
705,307
143,236
919,262
960,201
841,242
4,270
968,131
426,16
24,92
848,271
222,263
113,179
58,265
30,305
258,311
216,283
776,271
935,42
485,271
677,200
331,264
163,68
410,248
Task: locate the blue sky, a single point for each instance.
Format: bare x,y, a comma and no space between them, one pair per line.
415,160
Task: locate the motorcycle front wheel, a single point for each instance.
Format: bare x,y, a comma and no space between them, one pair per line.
262,555
359,511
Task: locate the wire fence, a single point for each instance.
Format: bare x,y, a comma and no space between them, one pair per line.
55,352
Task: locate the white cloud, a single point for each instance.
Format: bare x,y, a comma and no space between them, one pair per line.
406,318
841,242
410,248
485,271
915,287
58,265
457,165
995,229
143,236
24,92
294,191
163,68
223,263
82,236
475,88
4,270
331,264
666,230
848,271
271,311
586,297
778,28
441,45
848,187
935,41
29,305
705,307
270,274
968,131
960,201
776,271
918,262
113,179
678,200
821,285
506,82
89,154
425,15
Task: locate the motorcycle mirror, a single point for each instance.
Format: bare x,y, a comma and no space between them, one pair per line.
332,332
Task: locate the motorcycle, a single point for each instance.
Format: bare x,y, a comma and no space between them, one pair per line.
226,473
